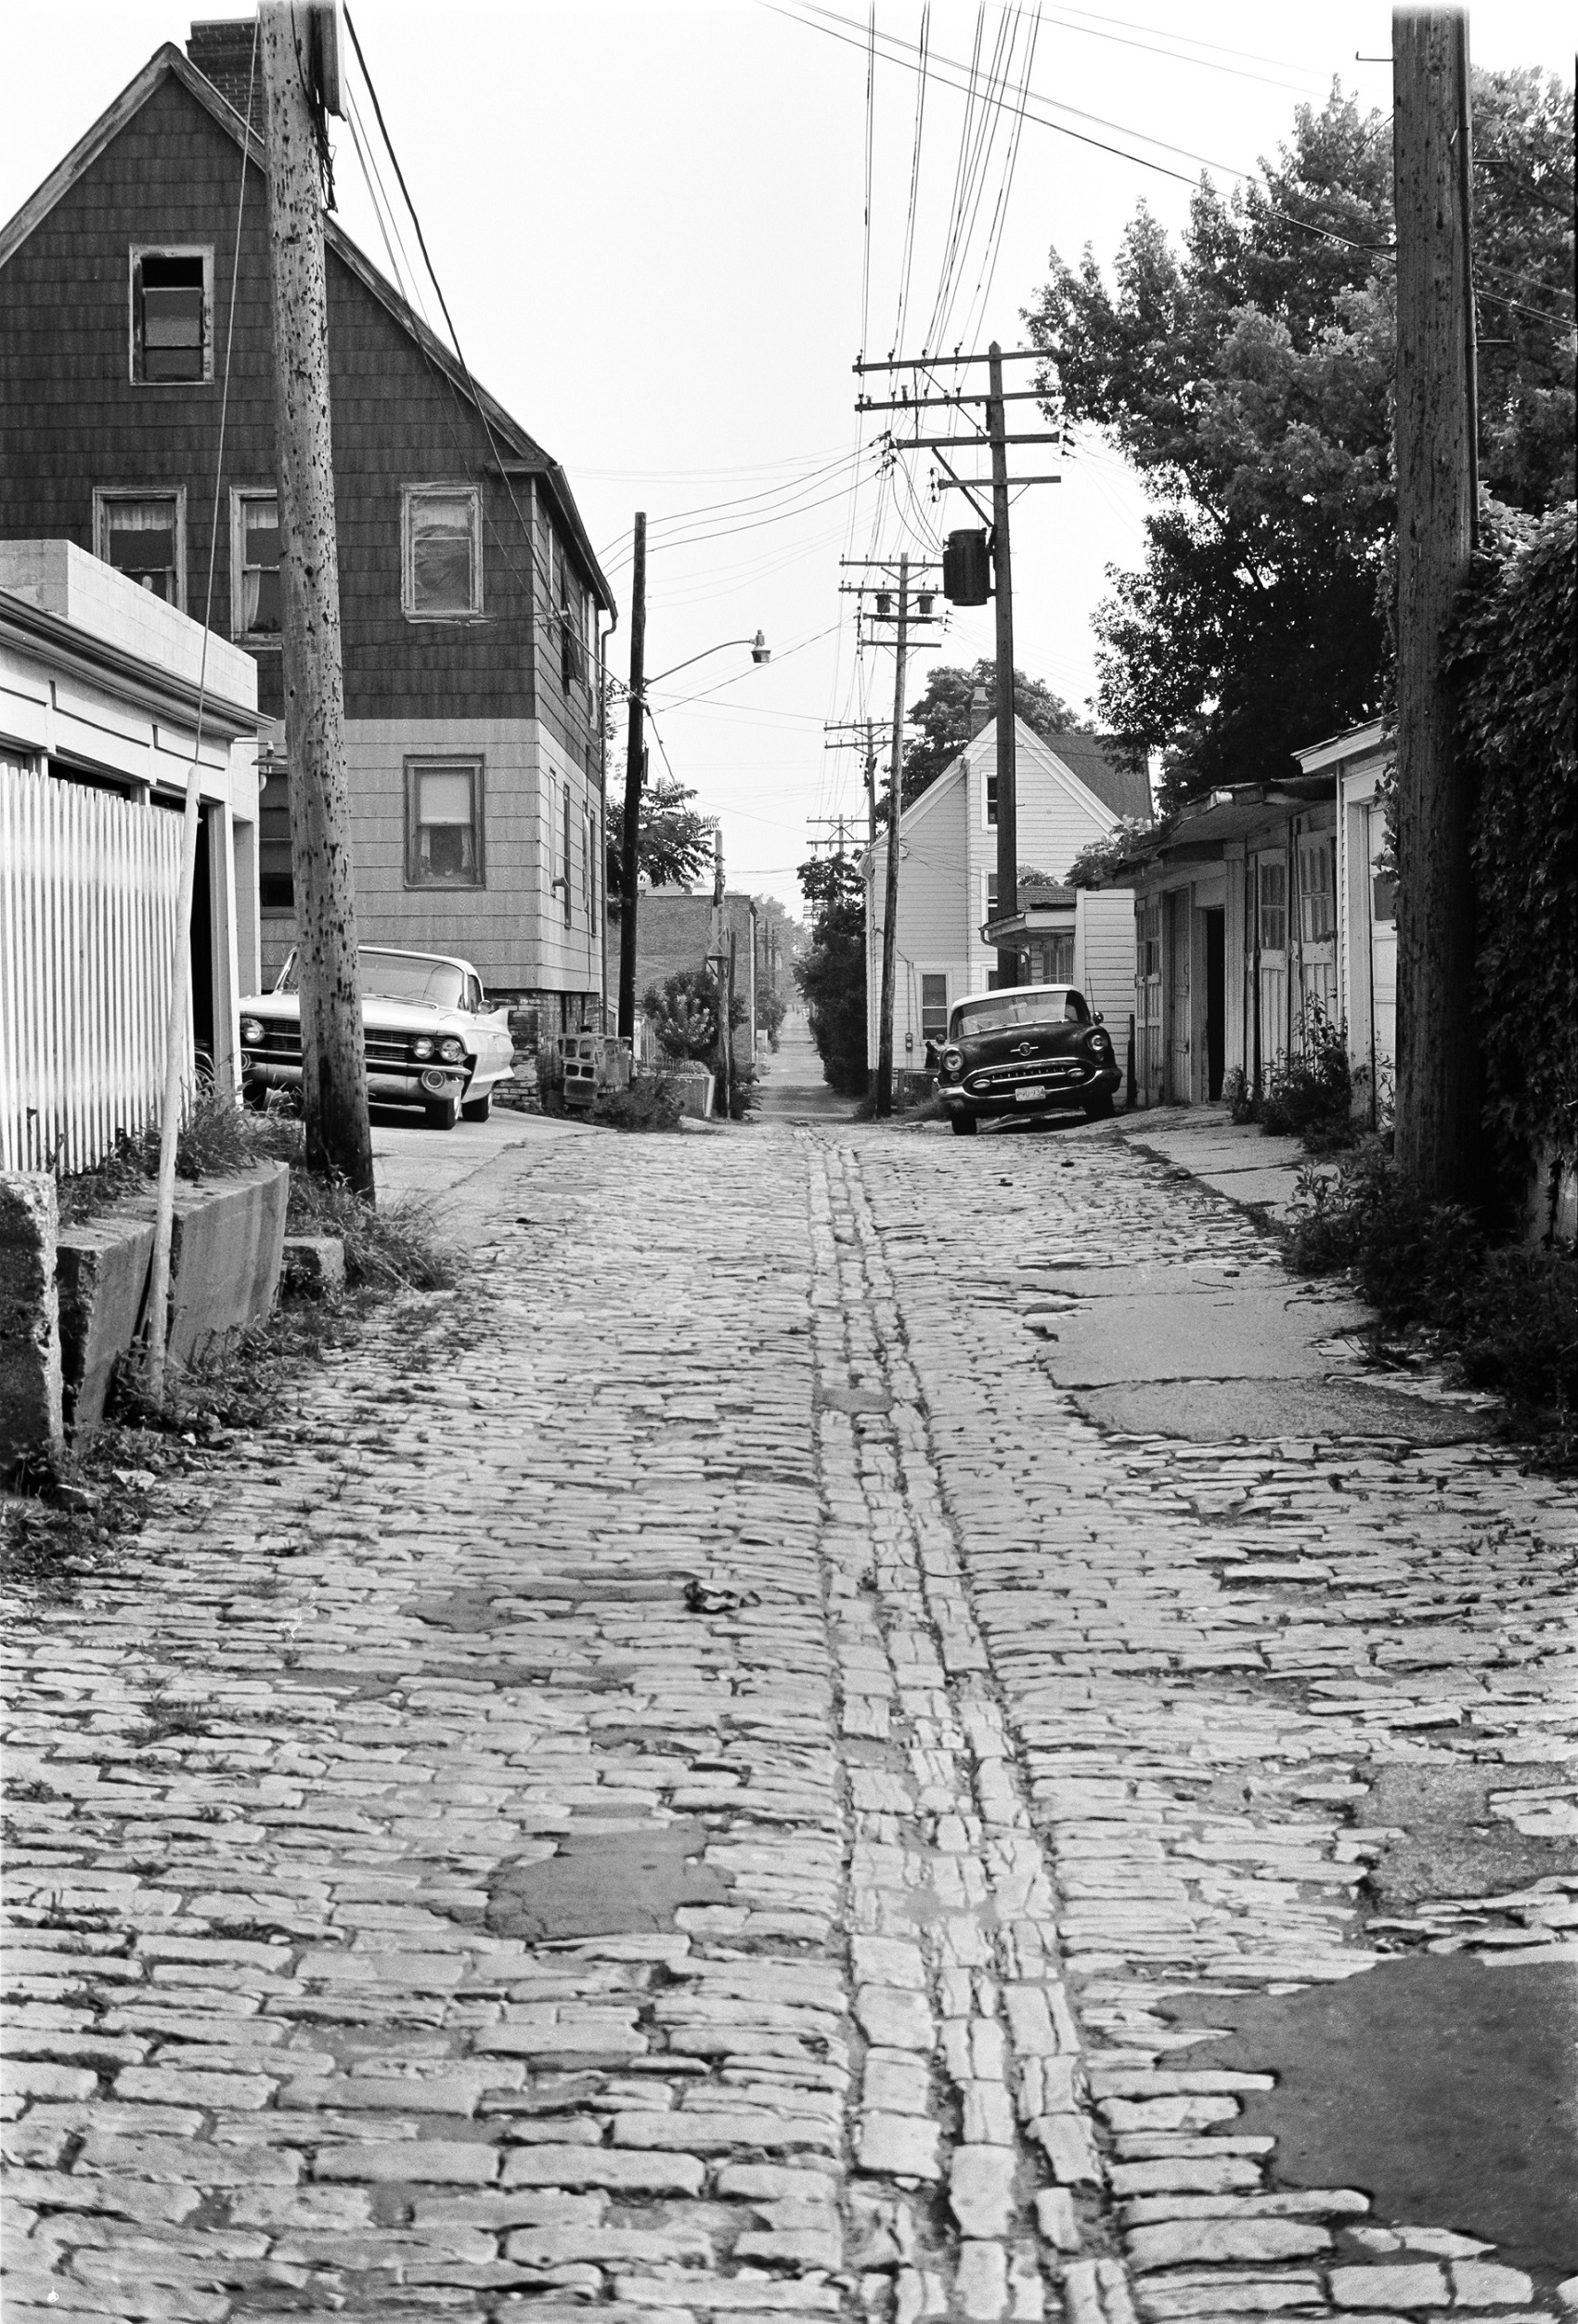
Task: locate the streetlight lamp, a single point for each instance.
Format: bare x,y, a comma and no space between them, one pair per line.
634,770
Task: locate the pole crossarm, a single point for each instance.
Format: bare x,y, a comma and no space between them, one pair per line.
983,484
956,443
950,362
890,564
934,403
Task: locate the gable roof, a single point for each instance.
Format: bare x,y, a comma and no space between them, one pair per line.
1104,764
518,453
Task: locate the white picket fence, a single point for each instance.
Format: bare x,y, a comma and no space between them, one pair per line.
88,889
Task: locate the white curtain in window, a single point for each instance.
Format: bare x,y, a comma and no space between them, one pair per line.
441,552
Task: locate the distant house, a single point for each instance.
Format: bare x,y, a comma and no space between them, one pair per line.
470,595
1070,790
100,687
1367,907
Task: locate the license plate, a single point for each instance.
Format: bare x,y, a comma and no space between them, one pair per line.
1028,1097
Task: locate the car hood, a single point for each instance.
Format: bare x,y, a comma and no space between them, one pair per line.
387,1015
1019,1045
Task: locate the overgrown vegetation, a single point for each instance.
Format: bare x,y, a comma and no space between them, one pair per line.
217,1138
1505,1317
649,1103
1510,667
674,841
831,972
1094,865
394,1247
1309,1093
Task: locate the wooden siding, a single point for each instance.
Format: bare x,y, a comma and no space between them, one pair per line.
70,418
1104,956
89,888
512,928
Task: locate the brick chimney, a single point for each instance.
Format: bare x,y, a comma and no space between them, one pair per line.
223,54
980,707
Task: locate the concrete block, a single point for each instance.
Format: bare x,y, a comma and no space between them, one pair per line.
30,1324
101,1276
314,1265
693,1084
227,1249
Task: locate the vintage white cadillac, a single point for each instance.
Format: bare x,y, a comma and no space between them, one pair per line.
431,1039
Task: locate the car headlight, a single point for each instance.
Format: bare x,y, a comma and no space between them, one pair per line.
451,1052
253,1032
952,1059
421,1047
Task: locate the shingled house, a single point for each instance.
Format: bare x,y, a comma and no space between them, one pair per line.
470,595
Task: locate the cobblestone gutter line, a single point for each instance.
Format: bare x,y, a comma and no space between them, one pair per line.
971,2077
1211,1655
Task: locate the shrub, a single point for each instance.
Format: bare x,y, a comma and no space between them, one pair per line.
1509,1318
651,1103
1309,1093
217,1138
744,1090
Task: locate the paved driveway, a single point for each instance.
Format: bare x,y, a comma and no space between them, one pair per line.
707,1774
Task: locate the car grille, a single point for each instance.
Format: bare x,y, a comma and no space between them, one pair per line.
987,1079
385,1052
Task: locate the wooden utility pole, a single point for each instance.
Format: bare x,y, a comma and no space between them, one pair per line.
635,759
895,813
1007,748
1437,1095
328,972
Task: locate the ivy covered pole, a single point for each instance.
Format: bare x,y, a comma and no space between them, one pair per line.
1438,1087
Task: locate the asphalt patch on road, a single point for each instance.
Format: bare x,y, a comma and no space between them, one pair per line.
1453,1844
606,1884
1443,2089
1225,1411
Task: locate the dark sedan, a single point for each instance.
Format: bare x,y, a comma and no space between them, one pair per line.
1032,1048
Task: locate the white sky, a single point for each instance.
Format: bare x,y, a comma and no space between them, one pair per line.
648,224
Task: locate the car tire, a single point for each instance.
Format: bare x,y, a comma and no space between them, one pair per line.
962,1124
1099,1107
443,1112
477,1108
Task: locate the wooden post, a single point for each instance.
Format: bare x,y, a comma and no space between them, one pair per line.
328,972
1438,1096
1007,748
895,814
635,754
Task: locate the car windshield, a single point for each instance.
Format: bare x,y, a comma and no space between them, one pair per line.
399,976
1000,1012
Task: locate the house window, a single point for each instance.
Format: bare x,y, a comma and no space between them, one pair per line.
1272,887
1317,889
991,894
990,796
934,1008
172,311
256,608
444,823
1147,947
276,882
143,536
443,553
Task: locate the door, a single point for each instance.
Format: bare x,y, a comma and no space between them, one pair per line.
1383,962
1317,930
1216,1000
1271,945
1179,1001
1148,1000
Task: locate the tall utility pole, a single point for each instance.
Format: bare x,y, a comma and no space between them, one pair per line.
635,757
723,973
1007,746
996,438
1438,1096
895,811
328,972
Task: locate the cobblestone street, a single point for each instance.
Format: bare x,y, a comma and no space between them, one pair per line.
734,1766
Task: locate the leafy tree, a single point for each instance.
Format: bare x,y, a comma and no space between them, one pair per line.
673,845
1247,377
943,715
1096,863
831,972
687,1010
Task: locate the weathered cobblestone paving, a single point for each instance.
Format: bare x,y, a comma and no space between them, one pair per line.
686,1782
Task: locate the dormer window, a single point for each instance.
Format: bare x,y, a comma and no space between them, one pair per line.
172,317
